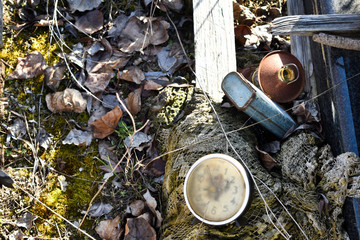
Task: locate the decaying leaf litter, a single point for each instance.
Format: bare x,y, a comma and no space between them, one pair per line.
77,118
79,125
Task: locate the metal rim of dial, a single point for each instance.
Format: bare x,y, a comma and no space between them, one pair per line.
243,173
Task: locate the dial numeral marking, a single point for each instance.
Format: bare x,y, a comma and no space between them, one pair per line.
213,210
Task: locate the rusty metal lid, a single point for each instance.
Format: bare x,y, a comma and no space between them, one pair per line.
268,77
248,72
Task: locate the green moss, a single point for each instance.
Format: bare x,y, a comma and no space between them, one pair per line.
80,189
174,102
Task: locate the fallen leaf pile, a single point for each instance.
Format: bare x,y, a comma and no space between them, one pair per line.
140,222
252,27
118,61
103,59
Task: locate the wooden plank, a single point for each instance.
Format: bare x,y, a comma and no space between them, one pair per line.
309,24
214,44
300,48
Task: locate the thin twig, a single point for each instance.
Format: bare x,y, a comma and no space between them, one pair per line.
57,227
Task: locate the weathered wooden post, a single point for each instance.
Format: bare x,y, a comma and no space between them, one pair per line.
214,44
300,47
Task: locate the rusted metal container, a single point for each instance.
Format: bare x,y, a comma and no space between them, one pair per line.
279,75
251,100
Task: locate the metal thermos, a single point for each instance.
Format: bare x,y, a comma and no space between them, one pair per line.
251,100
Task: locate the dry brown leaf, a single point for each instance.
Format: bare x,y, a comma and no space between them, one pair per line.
29,67
134,101
175,5
154,165
106,62
68,100
153,85
150,200
106,151
308,110
91,22
108,155
243,15
267,14
77,54
95,48
138,34
78,137
159,31
97,110
83,5
139,228
118,59
26,221
137,141
240,32
133,36
132,74
95,64
110,229
118,25
106,124
171,58
137,207
149,217
54,75
97,82
99,209
152,204
157,84
267,161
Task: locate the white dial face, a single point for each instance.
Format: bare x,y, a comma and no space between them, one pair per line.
215,189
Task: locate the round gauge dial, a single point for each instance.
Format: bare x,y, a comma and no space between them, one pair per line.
217,189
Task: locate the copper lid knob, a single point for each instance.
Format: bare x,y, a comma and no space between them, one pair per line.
281,76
